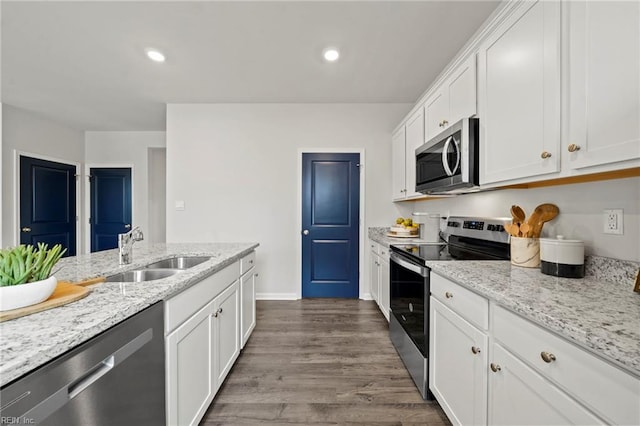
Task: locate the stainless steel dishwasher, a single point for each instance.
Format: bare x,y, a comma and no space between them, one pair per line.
116,378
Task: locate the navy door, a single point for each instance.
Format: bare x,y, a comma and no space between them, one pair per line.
330,223
48,203
110,206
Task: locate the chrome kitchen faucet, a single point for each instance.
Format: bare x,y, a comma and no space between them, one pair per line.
125,243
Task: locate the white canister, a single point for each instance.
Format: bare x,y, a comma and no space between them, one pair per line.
429,226
562,258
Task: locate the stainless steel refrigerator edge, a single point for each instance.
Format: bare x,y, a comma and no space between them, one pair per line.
116,378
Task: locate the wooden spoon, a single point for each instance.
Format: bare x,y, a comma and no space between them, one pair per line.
524,230
507,227
542,214
517,214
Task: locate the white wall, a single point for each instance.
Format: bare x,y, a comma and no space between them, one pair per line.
27,132
111,149
235,168
157,180
580,217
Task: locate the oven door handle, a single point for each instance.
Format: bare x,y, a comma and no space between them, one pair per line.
422,271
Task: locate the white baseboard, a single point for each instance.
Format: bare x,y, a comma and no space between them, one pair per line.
366,296
276,296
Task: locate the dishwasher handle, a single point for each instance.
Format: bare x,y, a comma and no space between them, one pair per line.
65,394
90,377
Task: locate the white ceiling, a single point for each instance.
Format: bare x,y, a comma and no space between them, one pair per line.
83,63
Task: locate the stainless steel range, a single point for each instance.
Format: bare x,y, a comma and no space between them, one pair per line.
466,238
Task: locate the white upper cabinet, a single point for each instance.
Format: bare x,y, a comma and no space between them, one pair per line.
398,187
519,94
454,100
414,138
604,82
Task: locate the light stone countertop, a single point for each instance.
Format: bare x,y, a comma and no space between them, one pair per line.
28,342
379,235
599,312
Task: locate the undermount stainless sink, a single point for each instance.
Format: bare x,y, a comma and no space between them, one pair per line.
183,262
139,275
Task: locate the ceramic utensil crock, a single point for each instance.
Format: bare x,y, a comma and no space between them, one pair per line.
562,258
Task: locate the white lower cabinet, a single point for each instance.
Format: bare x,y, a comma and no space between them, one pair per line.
379,277
385,283
190,384
457,365
518,395
226,332
248,301
374,276
205,327
516,372
248,280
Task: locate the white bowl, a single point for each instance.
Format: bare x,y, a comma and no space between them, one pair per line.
18,296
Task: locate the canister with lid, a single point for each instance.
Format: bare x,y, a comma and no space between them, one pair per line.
562,258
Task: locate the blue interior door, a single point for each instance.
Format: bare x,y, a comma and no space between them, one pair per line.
110,206
48,203
330,222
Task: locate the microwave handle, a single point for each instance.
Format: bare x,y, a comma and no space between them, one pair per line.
445,162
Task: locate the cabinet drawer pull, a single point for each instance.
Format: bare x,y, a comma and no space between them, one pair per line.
547,357
255,275
545,155
251,261
475,350
573,147
495,367
218,312
448,295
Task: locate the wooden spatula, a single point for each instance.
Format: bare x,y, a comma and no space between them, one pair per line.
542,214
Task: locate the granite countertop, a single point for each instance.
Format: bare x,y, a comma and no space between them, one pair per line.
599,312
28,342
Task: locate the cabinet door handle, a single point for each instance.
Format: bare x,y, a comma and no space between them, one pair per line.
251,261
573,147
26,229
495,367
218,312
545,155
475,350
547,357
448,295
255,275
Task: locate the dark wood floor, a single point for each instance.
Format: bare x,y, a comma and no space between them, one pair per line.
320,361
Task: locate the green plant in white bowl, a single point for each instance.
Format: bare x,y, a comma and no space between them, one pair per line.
24,264
25,274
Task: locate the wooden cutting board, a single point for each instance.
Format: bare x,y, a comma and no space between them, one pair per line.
64,293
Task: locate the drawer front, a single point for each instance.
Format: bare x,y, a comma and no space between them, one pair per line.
247,262
610,392
383,252
469,305
374,247
185,304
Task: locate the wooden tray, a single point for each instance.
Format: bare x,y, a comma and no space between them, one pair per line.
64,293
390,234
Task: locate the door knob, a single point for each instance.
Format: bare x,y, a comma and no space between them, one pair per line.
305,232
127,226
26,229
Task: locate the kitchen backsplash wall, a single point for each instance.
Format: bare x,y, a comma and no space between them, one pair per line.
581,212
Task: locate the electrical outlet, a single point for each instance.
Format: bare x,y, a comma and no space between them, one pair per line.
613,221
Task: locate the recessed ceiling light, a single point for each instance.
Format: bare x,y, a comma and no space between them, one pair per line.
155,55
330,54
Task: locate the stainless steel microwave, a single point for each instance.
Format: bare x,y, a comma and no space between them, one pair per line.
449,162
